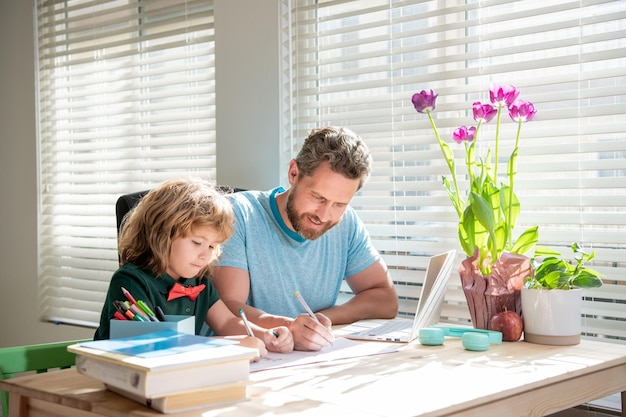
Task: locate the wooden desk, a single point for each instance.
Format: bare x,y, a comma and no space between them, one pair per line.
512,379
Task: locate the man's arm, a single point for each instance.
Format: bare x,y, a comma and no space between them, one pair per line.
375,296
233,285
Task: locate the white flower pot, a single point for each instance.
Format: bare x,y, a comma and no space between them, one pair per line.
552,317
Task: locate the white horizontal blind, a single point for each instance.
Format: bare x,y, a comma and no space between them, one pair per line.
357,64
126,100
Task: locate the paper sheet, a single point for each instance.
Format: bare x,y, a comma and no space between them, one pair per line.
343,349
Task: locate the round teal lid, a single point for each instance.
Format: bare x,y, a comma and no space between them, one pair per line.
431,336
475,341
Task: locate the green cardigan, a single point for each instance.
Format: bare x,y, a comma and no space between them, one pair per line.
153,291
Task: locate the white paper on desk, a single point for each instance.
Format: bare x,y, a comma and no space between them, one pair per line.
343,349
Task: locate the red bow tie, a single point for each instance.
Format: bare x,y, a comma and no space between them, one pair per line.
180,291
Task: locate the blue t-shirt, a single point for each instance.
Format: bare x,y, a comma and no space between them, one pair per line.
281,262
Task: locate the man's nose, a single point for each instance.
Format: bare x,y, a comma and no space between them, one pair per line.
324,212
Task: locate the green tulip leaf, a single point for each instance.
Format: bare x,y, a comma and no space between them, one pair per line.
526,241
467,233
500,239
482,210
545,251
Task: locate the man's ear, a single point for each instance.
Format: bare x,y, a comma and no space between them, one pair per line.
293,172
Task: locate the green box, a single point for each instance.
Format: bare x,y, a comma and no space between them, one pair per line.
128,328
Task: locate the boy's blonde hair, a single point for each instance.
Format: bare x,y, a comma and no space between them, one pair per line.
168,212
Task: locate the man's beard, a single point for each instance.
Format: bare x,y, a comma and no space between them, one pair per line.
297,219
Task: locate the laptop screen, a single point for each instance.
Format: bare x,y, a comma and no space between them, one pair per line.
433,290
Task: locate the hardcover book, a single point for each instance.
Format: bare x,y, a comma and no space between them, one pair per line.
213,396
163,363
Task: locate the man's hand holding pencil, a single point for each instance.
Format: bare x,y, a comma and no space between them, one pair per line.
311,331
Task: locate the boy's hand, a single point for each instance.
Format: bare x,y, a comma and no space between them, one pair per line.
255,343
278,339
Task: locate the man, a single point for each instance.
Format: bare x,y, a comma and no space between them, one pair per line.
307,239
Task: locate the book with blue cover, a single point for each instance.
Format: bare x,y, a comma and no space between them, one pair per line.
163,363
161,343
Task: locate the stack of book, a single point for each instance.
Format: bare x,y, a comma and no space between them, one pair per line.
167,370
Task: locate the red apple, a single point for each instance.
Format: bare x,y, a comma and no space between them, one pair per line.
509,323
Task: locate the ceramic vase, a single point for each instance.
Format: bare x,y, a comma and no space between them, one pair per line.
489,295
552,317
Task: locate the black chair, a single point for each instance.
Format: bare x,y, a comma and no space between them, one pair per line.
126,202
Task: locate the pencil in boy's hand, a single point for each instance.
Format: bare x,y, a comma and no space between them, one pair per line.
245,322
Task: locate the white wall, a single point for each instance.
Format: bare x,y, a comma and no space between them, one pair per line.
247,135
19,322
247,93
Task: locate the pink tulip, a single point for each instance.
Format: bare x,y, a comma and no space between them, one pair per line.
424,101
504,94
522,111
484,112
464,133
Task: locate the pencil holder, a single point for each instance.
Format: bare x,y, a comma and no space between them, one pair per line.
127,328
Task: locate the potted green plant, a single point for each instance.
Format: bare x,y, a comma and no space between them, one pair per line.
552,296
493,272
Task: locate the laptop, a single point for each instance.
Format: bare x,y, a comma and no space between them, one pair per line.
404,330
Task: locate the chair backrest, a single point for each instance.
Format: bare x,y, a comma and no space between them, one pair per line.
39,358
126,202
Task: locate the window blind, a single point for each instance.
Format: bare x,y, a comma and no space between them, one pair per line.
357,64
126,100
